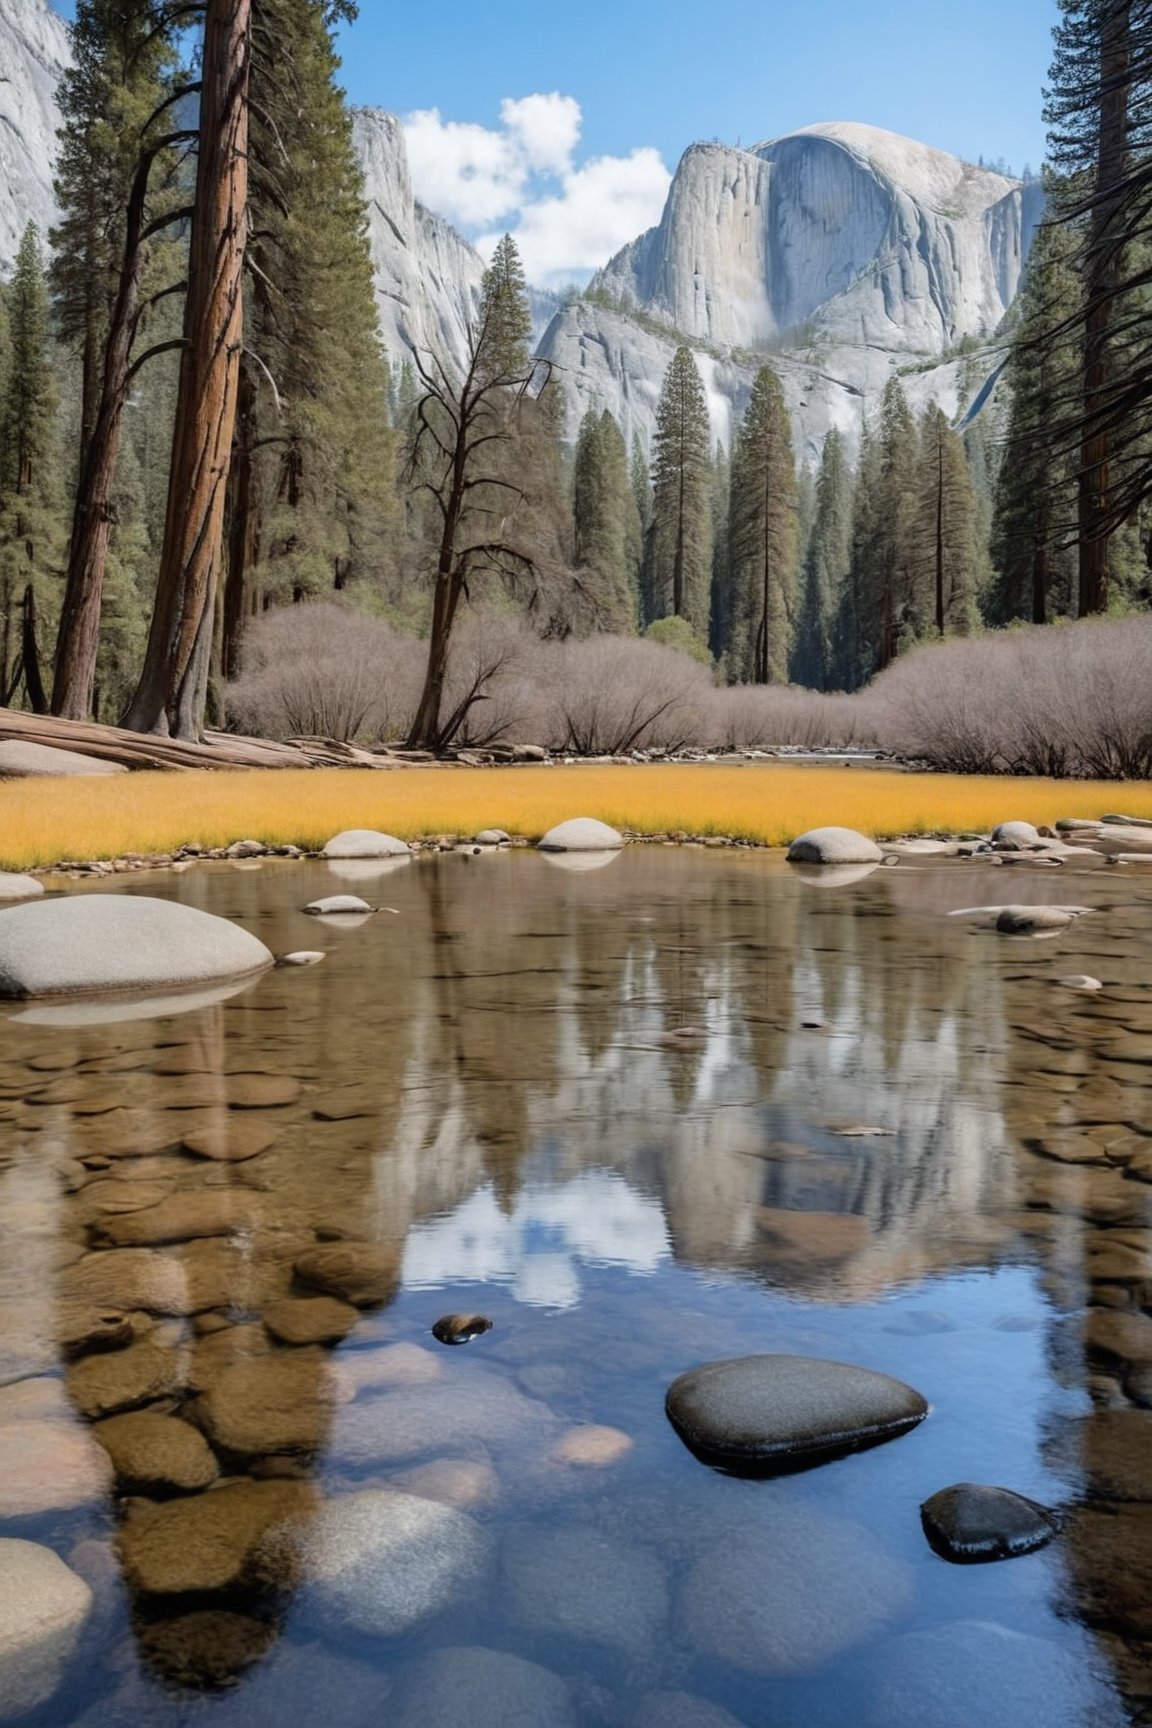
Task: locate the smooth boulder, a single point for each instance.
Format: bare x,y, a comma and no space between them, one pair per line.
366,843
380,1562
765,1412
834,846
582,834
21,760
973,1522
338,906
14,886
476,1688
43,1607
1016,836
86,944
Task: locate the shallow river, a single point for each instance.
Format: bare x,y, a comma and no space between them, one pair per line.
895,1141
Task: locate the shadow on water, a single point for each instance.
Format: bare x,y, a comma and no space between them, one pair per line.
684,1107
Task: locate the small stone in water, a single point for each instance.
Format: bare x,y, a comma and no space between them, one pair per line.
460,1328
592,1446
972,1522
1080,981
304,957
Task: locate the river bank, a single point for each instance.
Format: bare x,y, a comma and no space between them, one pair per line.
150,818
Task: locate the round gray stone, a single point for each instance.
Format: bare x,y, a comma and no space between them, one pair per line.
492,837
338,906
973,1522
365,843
43,1607
582,834
576,1582
834,846
89,943
790,1592
14,886
381,1562
475,1688
784,1411
1016,836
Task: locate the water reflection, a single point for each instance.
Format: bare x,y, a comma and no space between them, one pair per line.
685,1107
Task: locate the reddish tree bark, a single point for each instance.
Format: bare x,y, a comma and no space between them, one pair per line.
168,697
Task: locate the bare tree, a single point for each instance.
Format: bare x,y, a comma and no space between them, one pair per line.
462,429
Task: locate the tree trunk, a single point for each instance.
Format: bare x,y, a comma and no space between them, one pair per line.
30,655
209,380
243,527
939,531
78,635
1101,270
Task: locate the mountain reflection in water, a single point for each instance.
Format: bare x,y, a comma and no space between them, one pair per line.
890,1140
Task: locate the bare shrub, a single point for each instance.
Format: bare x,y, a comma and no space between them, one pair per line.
489,688
769,716
1059,700
322,670
611,694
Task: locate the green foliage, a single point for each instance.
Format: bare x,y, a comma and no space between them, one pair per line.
762,538
679,551
505,317
826,569
608,537
678,633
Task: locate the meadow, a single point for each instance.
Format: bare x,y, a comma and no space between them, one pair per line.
45,821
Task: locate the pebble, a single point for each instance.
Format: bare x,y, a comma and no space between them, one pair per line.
460,1328
973,1522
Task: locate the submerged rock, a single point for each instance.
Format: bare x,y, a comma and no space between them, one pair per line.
43,1607
582,834
150,1451
366,843
787,1411
310,1319
681,1710
362,1273
791,1594
475,1688
88,943
834,846
48,1463
973,1522
210,1541
581,1583
380,1562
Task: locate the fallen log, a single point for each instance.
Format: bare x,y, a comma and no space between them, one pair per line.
136,750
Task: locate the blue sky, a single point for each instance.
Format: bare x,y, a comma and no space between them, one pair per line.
563,124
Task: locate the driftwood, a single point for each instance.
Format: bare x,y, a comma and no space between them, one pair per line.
219,751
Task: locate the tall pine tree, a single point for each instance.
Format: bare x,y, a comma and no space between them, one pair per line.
827,565
607,522
762,537
952,555
679,552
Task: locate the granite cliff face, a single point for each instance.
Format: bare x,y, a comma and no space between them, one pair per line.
33,54
840,252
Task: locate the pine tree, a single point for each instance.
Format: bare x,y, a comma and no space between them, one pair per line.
679,553
1035,499
606,520
889,574
312,504
856,633
827,566
762,536
952,555
30,498
505,314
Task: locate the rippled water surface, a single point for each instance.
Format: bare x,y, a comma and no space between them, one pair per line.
894,1141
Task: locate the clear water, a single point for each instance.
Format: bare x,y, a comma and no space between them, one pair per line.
515,1128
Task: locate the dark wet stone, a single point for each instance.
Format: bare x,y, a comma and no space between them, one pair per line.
474,1688
787,1411
971,1522
461,1328
205,1649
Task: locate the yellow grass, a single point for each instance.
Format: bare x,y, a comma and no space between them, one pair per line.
44,821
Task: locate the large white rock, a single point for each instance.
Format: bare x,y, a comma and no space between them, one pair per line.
23,761
14,886
1016,835
33,52
366,843
338,906
88,943
834,846
582,834
43,1607
381,1562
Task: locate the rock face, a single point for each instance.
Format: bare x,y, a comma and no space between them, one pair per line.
33,52
366,843
834,846
766,1411
582,834
381,1562
972,1522
88,943
43,1608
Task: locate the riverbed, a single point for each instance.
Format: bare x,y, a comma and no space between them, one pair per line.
681,1106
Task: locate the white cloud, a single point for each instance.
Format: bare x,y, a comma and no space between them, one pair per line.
568,217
